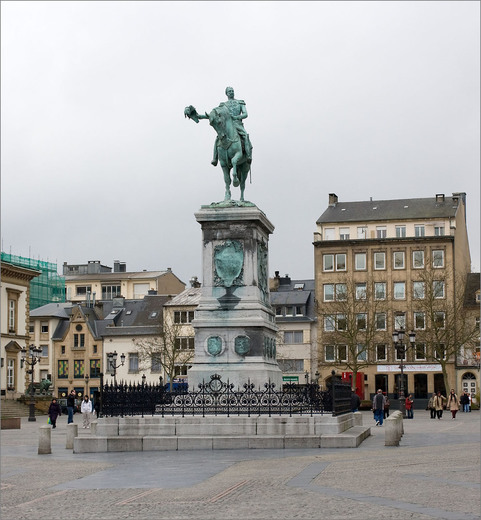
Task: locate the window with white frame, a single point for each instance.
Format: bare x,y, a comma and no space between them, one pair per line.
155,362
328,292
418,290
12,315
329,323
341,322
400,321
361,321
379,260
381,321
328,262
438,258
329,234
361,353
438,289
418,259
420,352
183,316
344,233
419,230
439,230
82,290
362,232
342,352
380,290
293,337
381,231
398,260
419,320
440,351
341,291
381,352
400,231
184,343
329,353
400,351
341,262
44,353
44,327
399,290
439,319
11,373
360,261
360,291
289,310
133,362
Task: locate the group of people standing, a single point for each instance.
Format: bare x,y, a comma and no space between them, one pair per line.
437,402
86,408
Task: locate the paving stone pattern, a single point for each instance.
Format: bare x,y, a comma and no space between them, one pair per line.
434,473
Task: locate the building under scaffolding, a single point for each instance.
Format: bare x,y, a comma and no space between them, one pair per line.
49,287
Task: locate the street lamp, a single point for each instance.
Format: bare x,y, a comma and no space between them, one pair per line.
400,347
34,356
112,364
87,384
317,375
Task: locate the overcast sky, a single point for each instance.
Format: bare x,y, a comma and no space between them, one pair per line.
362,99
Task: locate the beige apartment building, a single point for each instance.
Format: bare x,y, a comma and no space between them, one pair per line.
96,282
393,265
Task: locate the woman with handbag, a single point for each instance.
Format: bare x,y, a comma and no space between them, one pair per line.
54,411
453,403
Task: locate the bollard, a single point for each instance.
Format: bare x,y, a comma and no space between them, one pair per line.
393,429
72,432
44,440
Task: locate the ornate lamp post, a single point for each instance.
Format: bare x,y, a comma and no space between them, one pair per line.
87,385
400,347
34,357
112,364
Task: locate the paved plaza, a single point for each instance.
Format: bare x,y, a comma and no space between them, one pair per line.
434,473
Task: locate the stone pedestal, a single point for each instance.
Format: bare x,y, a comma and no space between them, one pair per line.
235,331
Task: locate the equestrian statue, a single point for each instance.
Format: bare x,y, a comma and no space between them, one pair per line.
232,147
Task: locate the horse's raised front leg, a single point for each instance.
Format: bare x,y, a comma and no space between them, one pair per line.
234,161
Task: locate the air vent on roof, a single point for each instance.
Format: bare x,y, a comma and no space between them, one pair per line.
406,206
299,286
128,313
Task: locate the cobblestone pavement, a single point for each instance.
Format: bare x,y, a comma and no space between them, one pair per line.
434,473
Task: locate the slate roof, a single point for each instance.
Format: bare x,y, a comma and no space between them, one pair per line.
117,276
286,294
190,296
402,209
51,310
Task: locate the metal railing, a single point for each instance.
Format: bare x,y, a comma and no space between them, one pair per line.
217,397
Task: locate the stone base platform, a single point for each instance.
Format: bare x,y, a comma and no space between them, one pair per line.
222,432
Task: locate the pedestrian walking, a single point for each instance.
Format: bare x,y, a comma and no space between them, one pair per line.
439,404
431,406
378,407
409,407
54,411
464,401
355,401
86,409
70,406
453,403
387,404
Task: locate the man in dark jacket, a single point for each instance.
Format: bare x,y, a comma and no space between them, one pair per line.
355,402
378,406
54,411
70,406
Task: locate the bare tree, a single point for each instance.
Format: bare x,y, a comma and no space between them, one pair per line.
350,321
441,322
167,351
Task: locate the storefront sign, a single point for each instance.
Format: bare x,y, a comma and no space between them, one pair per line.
409,368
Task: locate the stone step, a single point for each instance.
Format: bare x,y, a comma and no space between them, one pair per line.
13,409
350,438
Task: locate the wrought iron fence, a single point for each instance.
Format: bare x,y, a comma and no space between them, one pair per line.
217,397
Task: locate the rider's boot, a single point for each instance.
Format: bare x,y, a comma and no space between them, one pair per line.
216,157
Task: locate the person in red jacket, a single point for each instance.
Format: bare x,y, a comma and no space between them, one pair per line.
409,407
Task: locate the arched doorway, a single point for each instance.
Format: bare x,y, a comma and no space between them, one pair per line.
469,383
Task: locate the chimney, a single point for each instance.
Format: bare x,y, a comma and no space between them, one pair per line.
194,282
439,197
332,199
152,292
274,282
